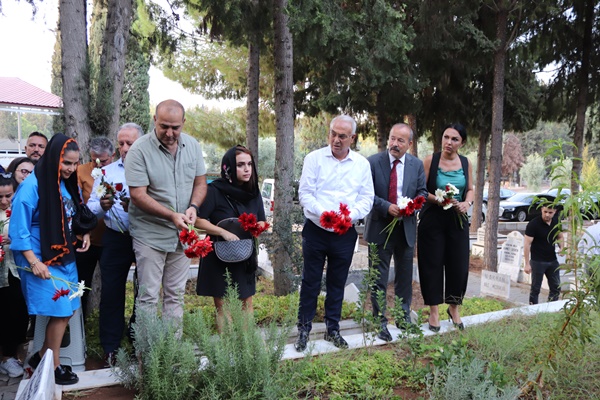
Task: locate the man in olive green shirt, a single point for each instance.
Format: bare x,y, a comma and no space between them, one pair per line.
167,182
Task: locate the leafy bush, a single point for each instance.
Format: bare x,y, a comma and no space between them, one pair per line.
166,366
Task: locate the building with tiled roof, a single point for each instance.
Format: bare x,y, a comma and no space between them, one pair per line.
21,97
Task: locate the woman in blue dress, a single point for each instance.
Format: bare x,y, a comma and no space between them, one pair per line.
443,234
42,240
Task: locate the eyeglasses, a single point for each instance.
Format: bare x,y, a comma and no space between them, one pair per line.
25,171
6,175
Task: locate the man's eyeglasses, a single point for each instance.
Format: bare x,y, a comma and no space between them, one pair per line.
25,171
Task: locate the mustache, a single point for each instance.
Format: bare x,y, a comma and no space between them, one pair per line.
395,148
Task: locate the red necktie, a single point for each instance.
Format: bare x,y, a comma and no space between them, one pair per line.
393,188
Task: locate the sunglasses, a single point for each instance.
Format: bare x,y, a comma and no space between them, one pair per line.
6,175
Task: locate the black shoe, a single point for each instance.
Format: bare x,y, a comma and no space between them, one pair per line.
434,328
337,339
384,334
302,340
35,360
460,326
64,376
110,359
404,324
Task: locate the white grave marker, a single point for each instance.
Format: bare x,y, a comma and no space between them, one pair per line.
511,256
481,234
495,284
41,386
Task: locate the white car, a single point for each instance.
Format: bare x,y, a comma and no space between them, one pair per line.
267,192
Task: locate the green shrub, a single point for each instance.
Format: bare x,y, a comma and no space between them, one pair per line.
166,366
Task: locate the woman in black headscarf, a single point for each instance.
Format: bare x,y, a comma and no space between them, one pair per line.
235,193
42,240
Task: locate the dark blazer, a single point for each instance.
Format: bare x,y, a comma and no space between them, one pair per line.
413,185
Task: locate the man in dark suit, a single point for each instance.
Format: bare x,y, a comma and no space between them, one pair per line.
395,174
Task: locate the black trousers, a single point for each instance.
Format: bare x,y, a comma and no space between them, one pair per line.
14,317
443,254
115,263
538,270
319,245
403,265
86,265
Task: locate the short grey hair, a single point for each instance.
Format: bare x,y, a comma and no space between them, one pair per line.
132,125
102,145
403,125
345,118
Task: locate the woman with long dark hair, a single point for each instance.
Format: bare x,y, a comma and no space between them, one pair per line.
42,241
443,233
235,193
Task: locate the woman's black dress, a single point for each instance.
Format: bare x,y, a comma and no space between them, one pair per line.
211,271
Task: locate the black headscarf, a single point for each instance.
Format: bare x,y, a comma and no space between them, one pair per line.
228,183
55,238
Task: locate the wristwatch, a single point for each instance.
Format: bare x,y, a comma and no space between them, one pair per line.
195,208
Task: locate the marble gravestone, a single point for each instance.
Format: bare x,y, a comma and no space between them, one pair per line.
41,386
511,256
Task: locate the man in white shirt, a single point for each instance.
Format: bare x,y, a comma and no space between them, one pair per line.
118,254
330,176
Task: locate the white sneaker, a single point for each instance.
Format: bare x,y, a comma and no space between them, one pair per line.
12,367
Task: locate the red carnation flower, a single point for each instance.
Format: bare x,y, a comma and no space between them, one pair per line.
328,219
203,247
119,187
187,236
189,252
247,221
342,225
8,212
60,293
419,201
344,210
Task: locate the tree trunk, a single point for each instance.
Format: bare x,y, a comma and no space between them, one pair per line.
382,124
253,95
76,99
112,66
583,84
284,152
412,122
495,172
476,219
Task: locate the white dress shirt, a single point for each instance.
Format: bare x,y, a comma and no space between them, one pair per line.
326,182
399,171
114,173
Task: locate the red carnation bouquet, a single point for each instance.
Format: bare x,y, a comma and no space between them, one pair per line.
407,208
194,246
339,221
250,224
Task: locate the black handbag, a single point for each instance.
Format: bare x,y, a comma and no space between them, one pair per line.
84,220
235,250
